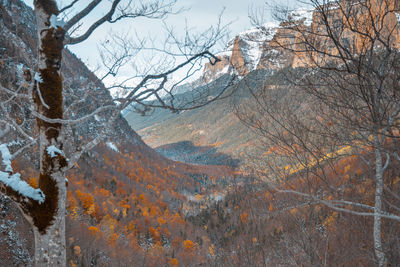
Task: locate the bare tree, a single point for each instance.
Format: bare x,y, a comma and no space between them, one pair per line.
45,207
344,103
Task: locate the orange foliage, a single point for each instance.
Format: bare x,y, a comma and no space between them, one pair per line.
93,230
243,217
173,261
102,192
271,207
33,182
188,244
86,199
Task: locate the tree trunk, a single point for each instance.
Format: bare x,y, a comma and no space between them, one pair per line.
50,247
49,217
380,255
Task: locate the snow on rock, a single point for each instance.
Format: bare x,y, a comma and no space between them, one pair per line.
14,181
55,22
303,14
112,146
53,151
253,41
251,46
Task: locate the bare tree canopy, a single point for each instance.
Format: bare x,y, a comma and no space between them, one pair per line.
343,105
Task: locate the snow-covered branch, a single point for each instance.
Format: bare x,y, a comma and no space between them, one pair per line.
14,181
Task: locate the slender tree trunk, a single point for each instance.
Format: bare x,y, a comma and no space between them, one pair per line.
49,217
380,255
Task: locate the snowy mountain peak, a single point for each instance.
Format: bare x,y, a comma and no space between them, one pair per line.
251,49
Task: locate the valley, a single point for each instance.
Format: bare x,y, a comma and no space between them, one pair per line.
284,152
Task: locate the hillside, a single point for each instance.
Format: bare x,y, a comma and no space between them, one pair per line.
258,57
308,137
123,196
247,56
297,164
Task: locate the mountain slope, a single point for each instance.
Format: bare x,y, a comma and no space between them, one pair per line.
123,196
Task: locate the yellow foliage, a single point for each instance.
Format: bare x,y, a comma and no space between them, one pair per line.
347,168
109,222
91,209
211,250
330,220
199,197
72,205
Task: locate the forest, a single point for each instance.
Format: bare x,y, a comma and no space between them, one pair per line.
278,148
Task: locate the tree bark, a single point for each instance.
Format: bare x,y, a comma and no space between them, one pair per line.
379,253
50,247
49,217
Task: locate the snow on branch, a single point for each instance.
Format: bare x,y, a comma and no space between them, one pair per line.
112,146
55,22
22,187
6,156
53,151
14,181
38,77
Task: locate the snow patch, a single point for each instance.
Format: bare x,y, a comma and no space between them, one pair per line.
96,117
254,39
398,17
21,186
6,156
20,69
55,22
225,69
303,14
38,77
53,151
112,146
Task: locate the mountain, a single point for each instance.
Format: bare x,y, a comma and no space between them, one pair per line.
259,57
215,125
251,49
252,55
130,204
123,196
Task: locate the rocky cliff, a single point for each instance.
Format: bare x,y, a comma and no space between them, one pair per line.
268,46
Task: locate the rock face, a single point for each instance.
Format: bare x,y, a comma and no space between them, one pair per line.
242,54
266,47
